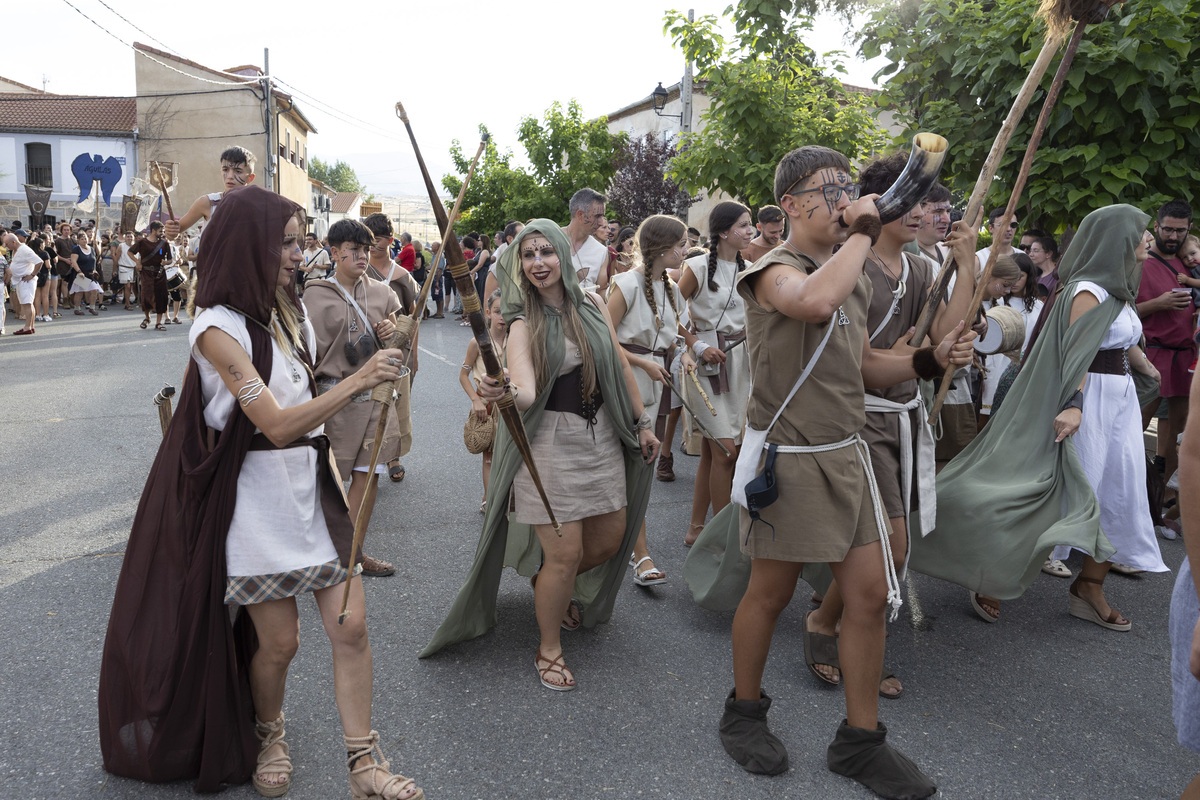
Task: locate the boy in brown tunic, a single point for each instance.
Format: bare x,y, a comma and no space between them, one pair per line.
351,314
802,298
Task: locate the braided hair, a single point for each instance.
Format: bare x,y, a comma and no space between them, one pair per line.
655,236
722,217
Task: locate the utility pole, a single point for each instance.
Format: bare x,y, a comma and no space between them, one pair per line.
267,97
685,90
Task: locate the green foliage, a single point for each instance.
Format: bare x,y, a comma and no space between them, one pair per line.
339,177
770,94
1124,128
565,152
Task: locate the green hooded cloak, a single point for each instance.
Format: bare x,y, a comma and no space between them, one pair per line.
512,544
1013,494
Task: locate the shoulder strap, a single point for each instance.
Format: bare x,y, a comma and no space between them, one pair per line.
361,314
808,368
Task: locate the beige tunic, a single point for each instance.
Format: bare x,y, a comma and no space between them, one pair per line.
402,283
882,430
583,476
640,327
352,430
825,505
720,311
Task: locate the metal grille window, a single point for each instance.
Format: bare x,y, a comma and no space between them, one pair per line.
38,169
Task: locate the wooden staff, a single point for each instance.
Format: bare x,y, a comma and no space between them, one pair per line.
1097,14
696,419
162,185
163,401
457,264
703,395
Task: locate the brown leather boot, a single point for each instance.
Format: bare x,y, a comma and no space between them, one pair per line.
666,467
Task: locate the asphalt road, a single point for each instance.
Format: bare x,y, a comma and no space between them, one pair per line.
1039,705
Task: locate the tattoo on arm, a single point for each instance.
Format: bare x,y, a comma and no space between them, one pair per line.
251,391
781,280
237,376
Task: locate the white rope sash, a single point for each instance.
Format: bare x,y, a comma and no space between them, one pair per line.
881,521
922,467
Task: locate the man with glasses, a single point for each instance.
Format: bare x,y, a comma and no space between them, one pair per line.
1028,237
806,309
1001,240
1166,310
590,258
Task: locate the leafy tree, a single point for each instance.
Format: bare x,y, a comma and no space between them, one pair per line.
1124,128
770,94
566,154
340,176
640,186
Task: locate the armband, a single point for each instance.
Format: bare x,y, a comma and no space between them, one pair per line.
926,365
1074,401
868,225
643,423
698,348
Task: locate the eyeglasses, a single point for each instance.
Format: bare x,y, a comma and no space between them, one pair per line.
1023,248
833,192
1172,231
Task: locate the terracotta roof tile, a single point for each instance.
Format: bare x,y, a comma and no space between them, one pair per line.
343,202
59,112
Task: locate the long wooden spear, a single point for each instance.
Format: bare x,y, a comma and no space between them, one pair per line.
1095,13
457,264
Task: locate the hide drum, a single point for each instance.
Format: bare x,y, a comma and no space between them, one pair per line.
1005,331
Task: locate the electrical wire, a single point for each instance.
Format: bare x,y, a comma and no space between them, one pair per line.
136,28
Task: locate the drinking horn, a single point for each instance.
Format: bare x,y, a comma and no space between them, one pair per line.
918,177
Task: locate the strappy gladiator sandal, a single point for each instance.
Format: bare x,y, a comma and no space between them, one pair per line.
270,734
384,785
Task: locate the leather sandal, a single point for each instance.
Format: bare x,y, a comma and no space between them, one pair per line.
383,784
984,614
269,735
822,649
555,666
1083,609
651,577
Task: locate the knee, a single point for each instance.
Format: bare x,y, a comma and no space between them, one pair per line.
769,601
564,559
865,602
351,635
278,647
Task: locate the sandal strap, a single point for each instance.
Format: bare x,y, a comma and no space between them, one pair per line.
269,735
556,665
1086,579
359,746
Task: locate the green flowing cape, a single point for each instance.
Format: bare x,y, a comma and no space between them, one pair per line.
505,543
1013,494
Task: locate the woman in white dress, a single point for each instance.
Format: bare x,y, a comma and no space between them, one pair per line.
644,304
717,338
288,531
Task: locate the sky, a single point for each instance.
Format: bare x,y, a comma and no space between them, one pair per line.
453,64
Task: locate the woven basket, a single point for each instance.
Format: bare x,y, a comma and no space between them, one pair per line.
479,434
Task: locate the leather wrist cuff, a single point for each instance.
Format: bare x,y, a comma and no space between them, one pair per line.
868,225
926,365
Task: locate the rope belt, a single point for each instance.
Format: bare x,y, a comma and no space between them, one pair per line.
881,522
921,462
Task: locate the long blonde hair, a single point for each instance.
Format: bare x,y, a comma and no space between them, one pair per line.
535,318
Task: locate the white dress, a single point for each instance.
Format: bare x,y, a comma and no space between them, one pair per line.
1112,451
278,525
638,327
720,311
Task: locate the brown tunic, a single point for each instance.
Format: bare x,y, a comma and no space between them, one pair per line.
824,506
882,430
403,284
352,430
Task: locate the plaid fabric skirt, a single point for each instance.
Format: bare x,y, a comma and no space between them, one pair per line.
245,590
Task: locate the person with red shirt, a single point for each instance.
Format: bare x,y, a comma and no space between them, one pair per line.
1166,310
408,256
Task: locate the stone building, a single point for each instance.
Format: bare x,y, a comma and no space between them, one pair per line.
190,113
41,134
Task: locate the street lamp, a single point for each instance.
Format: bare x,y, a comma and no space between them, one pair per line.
659,98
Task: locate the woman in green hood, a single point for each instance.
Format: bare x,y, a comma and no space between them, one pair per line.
1062,461
592,444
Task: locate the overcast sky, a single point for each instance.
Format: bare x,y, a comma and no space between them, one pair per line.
454,64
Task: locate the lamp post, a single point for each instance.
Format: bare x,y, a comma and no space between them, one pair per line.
659,95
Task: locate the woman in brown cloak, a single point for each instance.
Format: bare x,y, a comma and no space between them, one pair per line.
241,509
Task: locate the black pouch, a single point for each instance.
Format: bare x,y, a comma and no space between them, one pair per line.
762,491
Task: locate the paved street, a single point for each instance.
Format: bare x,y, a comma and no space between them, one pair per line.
1038,705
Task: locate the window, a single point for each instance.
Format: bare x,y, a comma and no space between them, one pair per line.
283,148
38,171
304,158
